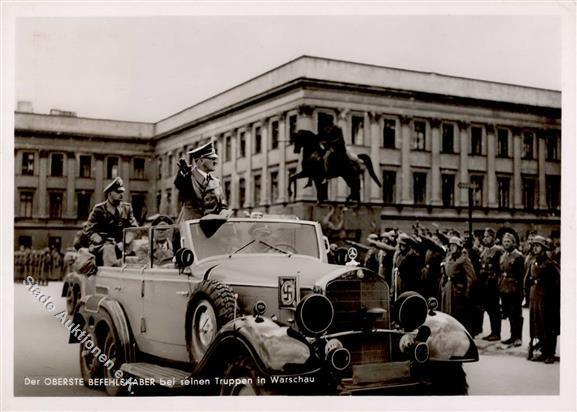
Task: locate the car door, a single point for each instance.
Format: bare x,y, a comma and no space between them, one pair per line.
165,296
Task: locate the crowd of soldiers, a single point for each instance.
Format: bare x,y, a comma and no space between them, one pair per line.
494,273
44,265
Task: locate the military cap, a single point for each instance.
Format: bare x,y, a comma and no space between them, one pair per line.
490,232
204,151
117,185
509,236
540,240
406,239
442,237
162,219
456,241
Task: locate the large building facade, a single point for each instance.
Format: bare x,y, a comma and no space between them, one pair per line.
426,134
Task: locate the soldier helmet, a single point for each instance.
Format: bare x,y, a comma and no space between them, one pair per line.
540,240
456,241
509,236
117,185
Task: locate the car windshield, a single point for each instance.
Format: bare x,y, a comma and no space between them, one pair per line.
250,237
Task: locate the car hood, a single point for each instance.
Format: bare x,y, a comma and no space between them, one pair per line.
264,270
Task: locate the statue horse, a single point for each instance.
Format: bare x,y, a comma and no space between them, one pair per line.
321,164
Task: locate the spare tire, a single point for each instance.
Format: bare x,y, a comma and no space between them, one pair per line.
211,306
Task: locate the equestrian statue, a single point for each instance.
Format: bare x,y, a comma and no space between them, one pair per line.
325,156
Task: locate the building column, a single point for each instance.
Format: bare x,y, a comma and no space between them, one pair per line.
174,192
463,162
42,178
248,175
406,195
542,181
436,198
305,121
282,172
373,134
70,186
517,182
99,178
219,141
233,201
125,173
491,159
264,189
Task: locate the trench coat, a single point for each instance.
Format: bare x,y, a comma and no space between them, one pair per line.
457,289
545,308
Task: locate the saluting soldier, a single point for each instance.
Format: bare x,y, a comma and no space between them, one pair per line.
544,304
431,272
106,223
198,189
490,260
408,265
511,288
457,284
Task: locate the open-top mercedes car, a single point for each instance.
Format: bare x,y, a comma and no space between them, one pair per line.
236,306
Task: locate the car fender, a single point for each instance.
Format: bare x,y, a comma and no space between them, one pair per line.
271,346
93,310
449,340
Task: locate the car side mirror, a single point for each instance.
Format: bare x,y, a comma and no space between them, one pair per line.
184,258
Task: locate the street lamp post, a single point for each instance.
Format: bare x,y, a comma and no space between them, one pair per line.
471,187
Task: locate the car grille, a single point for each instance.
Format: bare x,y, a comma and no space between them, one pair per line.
351,297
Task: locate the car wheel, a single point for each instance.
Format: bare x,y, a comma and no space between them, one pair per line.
90,367
70,300
448,379
211,307
240,379
114,354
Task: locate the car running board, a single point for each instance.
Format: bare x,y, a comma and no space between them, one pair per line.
162,375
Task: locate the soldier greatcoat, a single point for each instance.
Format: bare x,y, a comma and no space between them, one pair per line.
545,299
489,276
511,289
456,289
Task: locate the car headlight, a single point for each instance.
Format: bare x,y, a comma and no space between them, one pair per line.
314,314
410,310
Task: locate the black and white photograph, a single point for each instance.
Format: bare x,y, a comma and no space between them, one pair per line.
344,203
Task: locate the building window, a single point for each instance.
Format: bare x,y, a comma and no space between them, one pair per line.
477,182
158,201
28,163
448,143
503,192
169,201
82,205
419,133
26,201
389,186
56,164
241,144
227,188
112,168
139,206
293,124
292,171
227,148
528,186
85,166
528,146
55,205
420,188
552,146
257,189
170,165
138,168
553,191
476,140
274,135
257,140
25,241
502,143
389,133
241,192
448,189
357,130
323,121
55,242
159,170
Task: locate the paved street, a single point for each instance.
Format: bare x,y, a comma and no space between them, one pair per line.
42,352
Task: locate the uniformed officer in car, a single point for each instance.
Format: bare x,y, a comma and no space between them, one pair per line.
106,223
511,288
489,275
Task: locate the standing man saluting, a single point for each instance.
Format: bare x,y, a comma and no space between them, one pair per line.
199,190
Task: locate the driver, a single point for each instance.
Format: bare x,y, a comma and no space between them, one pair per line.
163,249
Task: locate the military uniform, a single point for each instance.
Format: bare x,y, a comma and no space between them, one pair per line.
511,291
408,266
544,309
489,276
200,194
456,289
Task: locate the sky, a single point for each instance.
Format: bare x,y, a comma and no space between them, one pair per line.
148,68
